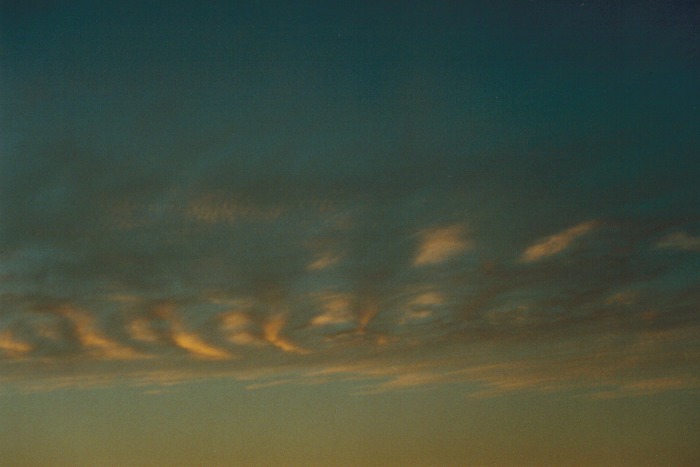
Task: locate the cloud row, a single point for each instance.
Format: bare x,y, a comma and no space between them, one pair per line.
349,290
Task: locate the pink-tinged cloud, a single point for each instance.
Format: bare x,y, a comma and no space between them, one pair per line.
680,241
441,244
557,243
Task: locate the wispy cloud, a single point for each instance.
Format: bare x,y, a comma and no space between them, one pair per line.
323,261
236,326
557,243
214,208
367,314
680,241
192,342
440,244
640,364
197,346
140,329
12,346
92,338
337,309
164,325
421,306
272,331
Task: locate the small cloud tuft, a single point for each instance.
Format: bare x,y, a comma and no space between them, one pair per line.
680,241
441,244
557,243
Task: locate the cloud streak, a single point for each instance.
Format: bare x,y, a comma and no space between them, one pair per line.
11,346
93,339
272,332
441,244
680,241
557,243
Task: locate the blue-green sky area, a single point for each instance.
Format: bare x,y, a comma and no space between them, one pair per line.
349,233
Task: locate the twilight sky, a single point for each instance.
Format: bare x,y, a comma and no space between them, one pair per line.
349,233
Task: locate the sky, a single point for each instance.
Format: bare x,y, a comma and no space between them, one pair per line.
349,233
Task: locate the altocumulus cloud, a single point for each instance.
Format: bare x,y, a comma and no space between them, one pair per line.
498,333
557,243
309,219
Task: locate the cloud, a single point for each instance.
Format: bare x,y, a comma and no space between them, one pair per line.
12,346
235,325
626,297
557,243
367,314
229,281
272,329
162,325
640,363
680,241
441,244
92,338
189,340
140,329
323,261
197,346
337,309
659,385
422,306
214,208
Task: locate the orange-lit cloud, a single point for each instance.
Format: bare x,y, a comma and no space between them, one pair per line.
234,320
366,315
188,340
140,329
197,346
272,329
12,346
91,338
236,327
420,306
336,310
174,331
428,299
323,261
680,241
557,243
640,367
441,244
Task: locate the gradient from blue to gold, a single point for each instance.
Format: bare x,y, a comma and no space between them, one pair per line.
433,233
